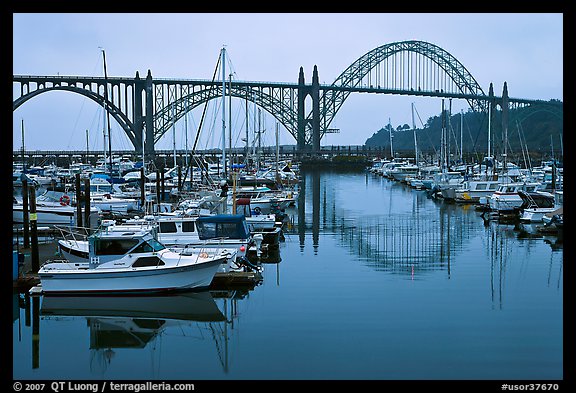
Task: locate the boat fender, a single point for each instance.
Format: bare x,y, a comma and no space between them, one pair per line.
64,200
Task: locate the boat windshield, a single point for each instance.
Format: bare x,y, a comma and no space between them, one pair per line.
150,245
156,245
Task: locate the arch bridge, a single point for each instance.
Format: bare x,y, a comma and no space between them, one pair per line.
146,108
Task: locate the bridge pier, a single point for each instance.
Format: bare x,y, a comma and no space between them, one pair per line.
139,87
304,91
315,94
149,143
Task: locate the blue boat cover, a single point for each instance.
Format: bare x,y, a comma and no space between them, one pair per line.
232,226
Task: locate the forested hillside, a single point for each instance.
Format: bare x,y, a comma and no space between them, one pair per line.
536,131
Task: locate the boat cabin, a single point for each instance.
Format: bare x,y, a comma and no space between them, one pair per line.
106,246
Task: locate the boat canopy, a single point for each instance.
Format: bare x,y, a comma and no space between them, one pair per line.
231,226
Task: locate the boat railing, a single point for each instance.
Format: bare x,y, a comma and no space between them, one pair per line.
201,252
74,234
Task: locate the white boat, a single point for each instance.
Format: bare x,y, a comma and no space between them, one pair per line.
388,167
18,176
226,235
255,222
109,203
506,198
471,191
108,198
401,172
446,182
52,208
263,200
130,261
536,205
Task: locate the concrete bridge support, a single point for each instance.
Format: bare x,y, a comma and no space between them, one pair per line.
304,91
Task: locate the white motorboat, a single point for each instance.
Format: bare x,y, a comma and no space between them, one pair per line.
263,200
52,208
471,191
130,261
536,205
506,198
226,235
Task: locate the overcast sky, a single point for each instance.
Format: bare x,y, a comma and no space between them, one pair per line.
524,49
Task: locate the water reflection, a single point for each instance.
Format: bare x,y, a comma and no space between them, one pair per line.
392,227
130,323
385,231
509,248
188,306
353,246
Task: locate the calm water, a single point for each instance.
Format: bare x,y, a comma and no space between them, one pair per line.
376,281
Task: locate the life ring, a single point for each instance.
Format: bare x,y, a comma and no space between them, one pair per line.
64,200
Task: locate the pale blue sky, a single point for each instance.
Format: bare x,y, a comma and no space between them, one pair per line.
524,49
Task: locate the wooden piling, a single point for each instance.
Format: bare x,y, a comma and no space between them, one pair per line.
25,213
87,203
79,202
142,189
157,187
34,231
35,332
162,184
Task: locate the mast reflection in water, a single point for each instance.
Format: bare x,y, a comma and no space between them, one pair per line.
374,280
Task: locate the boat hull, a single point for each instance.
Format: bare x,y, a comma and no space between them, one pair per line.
64,216
65,277
535,214
505,202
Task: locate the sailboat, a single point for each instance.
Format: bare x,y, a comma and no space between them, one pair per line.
445,181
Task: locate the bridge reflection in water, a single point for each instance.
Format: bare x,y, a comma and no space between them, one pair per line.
391,227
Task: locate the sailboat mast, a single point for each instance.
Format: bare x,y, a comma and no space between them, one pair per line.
390,131
104,132
186,137
259,152
247,140
230,119
461,133
23,160
277,154
443,140
489,126
224,111
107,112
415,140
174,133
87,147
254,125
449,131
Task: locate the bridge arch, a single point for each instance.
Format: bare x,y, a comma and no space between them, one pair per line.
280,108
116,113
147,107
415,74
